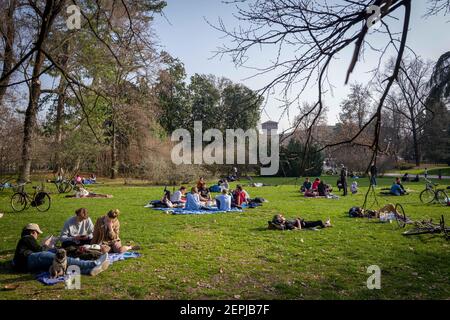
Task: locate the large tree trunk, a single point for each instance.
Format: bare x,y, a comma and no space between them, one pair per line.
9,47
59,121
114,163
415,140
35,89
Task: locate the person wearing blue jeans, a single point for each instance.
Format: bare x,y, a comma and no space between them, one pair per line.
41,261
31,257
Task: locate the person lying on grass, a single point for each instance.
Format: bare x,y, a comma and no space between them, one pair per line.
30,256
106,233
81,192
279,222
78,230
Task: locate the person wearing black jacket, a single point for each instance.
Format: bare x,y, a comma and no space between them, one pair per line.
373,174
31,257
344,180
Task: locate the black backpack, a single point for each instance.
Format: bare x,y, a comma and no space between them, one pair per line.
355,212
38,200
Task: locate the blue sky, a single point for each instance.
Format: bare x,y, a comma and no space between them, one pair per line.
186,35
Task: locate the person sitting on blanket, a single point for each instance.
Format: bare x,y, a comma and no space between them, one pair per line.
78,230
322,189
203,190
193,201
354,187
240,196
397,188
279,222
223,201
30,256
178,196
307,185
166,199
106,233
315,185
224,184
405,177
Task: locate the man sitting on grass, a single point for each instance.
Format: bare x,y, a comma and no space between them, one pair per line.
178,196
397,188
78,230
223,201
279,222
307,185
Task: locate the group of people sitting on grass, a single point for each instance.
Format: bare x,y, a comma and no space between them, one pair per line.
316,189
200,198
406,178
86,245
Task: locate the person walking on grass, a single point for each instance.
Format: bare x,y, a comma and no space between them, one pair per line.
425,173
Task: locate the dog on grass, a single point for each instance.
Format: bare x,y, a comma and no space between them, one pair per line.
59,265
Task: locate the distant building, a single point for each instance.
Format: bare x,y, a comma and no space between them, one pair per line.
269,126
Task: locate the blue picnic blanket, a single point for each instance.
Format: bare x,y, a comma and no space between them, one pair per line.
45,278
186,212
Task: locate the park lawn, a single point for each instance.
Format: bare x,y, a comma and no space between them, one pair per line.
234,256
431,171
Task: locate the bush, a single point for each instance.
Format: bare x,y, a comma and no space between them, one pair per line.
404,166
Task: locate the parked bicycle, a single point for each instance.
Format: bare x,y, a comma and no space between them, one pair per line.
432,194
21,200
63,186
428,227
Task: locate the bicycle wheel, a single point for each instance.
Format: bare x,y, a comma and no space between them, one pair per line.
427,196
442,197
67,187
18,202
44,203
400,215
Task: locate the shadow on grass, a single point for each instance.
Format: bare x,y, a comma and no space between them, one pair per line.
7,269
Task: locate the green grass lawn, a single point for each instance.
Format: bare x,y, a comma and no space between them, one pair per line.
431,171
234,256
